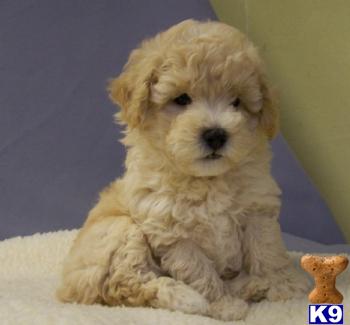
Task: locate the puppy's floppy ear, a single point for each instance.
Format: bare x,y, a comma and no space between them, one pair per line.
131,90
269,114
268,104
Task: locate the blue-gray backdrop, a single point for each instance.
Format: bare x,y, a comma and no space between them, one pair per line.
58,143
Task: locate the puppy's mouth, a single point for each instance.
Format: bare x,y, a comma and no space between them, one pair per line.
213,156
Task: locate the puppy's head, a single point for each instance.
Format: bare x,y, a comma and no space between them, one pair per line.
198,94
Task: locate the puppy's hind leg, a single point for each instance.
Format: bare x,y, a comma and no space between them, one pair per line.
111,263
107,264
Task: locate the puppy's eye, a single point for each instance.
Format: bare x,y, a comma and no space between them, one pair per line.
183,100
236,102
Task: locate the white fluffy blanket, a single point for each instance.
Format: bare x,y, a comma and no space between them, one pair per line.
29,273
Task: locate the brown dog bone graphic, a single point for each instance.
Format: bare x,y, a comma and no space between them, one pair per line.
324,270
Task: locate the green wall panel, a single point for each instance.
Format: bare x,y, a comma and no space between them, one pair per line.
306,46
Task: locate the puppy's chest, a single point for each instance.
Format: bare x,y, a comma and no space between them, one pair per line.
213,223
221,240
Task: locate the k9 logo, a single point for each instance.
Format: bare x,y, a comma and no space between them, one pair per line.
325,314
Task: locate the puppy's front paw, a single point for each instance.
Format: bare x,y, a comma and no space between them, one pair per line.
211,287
247,287
287,284
254,289
228,308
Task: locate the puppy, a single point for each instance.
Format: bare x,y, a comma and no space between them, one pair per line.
193,223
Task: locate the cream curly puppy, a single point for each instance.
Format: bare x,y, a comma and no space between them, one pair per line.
193,223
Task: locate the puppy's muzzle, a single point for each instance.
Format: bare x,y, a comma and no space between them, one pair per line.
214,138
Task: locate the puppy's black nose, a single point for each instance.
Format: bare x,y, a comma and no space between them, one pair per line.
214,138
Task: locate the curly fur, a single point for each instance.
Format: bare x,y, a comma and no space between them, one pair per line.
178,231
